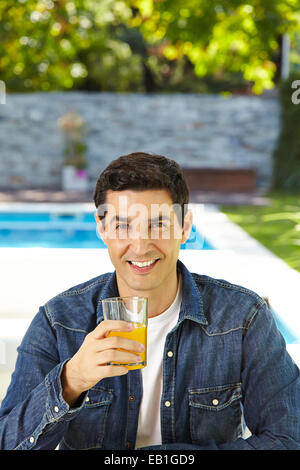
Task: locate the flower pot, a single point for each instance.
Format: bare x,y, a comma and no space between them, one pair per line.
74,179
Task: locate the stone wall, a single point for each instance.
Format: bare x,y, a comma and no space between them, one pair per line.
195,130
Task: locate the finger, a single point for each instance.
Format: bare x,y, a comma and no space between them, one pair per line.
113,355
102,330
113,371
118,342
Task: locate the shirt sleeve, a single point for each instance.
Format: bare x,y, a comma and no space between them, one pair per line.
271,392
33,414
271,386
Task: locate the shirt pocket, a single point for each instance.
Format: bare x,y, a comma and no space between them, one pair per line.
215,413
87,430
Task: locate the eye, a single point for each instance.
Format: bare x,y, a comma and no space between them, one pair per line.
121,226
159,225
156,225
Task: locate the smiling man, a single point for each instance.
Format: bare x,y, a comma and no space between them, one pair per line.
144,246
216,360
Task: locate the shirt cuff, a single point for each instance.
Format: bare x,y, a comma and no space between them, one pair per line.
56,407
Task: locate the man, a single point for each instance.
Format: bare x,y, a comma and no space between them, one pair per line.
215,357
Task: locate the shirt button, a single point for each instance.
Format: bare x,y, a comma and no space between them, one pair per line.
131,398
31,440
56,409
167,403
87,399
170,353
215,402
127,445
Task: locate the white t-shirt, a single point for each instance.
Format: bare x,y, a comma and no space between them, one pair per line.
149,430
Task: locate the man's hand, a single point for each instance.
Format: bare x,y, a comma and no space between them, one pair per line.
90,363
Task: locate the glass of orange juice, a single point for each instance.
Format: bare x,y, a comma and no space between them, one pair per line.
133,310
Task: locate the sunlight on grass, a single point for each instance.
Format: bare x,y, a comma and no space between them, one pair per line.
276,226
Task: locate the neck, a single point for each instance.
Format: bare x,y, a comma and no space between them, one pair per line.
159,299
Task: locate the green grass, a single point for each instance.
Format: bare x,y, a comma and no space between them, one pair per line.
276,226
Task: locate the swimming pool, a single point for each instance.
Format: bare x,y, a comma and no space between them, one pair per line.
63,230
290,337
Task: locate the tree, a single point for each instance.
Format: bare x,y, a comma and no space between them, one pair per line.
138,45
231,35
57,44
287,153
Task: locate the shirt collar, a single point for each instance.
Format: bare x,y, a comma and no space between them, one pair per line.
192,300
191,305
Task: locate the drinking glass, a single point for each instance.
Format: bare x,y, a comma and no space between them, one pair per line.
133,310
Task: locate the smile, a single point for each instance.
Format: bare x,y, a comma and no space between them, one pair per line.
143,266
144,263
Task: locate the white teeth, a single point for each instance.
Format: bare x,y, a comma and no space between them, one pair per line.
145,263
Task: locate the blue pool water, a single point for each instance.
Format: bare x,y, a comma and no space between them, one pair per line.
63,230
290,337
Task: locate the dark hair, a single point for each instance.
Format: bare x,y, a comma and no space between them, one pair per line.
140,171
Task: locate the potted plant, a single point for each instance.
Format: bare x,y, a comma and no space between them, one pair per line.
74,171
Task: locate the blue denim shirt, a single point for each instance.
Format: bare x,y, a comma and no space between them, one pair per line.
229,366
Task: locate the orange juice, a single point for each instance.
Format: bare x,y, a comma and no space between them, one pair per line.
138,334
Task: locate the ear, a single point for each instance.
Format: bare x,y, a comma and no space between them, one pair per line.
100,228
187,226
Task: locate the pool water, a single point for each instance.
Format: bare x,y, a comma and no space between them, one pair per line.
63,230
289,336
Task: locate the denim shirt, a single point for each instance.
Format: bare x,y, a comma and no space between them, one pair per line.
229,366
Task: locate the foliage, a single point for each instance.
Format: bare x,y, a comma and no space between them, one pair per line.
287,153
142,45
58,44
232,35
276,226
295,51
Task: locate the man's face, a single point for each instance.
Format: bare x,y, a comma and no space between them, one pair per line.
143,237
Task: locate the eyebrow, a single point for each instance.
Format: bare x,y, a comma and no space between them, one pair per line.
117,218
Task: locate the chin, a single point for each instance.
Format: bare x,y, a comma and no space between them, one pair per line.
141,284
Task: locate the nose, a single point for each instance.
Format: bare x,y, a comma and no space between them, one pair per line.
140,238
139,242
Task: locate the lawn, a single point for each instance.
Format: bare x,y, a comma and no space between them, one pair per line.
276,226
